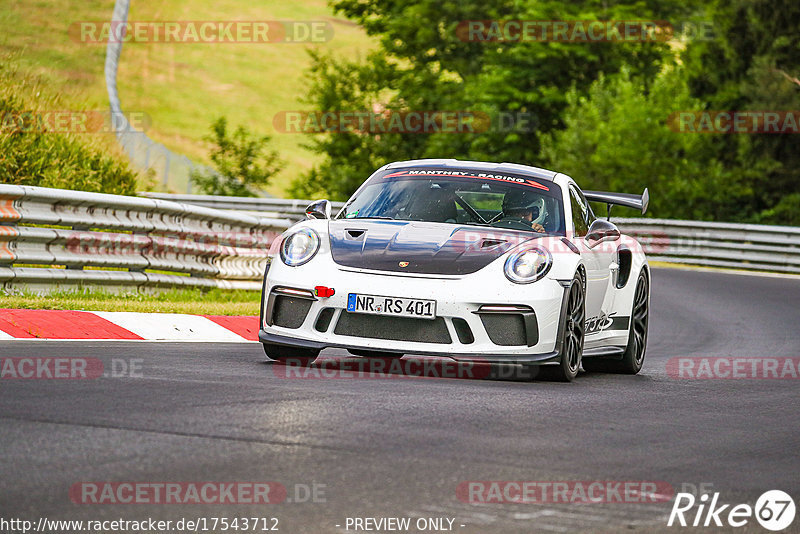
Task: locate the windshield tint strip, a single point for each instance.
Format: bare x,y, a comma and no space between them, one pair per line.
478,176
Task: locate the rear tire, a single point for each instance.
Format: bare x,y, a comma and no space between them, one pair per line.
633,358
574,330
291,355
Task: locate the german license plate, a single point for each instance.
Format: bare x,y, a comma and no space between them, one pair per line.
396,306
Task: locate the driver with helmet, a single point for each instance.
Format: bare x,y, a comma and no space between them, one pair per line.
525,208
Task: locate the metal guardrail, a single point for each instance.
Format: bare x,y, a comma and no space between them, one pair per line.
271,207
53,237
730,245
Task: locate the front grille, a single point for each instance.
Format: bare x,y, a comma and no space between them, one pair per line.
290,312
393,328
505,329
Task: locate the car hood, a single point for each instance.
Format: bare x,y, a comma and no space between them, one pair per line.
418,247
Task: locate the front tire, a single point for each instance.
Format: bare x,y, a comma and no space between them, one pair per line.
633,357
291,355
574,319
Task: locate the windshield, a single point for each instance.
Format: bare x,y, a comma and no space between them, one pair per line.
464,197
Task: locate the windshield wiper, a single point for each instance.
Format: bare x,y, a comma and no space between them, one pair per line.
383,217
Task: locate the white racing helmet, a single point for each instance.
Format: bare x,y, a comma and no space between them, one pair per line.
518,200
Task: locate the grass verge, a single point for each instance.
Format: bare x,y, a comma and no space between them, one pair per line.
182,87
191,301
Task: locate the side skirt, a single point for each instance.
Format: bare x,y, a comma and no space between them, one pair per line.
609,353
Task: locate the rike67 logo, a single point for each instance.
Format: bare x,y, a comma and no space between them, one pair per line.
774,510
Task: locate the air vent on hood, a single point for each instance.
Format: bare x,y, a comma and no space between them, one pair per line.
354,234
489,243
416,247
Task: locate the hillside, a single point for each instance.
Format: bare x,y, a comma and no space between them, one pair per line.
183,87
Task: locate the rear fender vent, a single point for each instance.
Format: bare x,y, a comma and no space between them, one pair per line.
625,261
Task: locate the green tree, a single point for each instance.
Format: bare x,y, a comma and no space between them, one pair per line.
752,63
32,155
243,163
618,139
533,77
424,64
352,156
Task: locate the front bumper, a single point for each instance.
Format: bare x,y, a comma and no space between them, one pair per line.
459,309
547,357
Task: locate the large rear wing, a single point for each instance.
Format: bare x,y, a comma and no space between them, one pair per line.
638,202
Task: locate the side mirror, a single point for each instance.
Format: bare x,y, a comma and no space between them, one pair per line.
601,231
321,209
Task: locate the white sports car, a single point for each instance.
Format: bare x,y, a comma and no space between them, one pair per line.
466,260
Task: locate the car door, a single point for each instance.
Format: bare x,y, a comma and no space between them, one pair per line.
598,260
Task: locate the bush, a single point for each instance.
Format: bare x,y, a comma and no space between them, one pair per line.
618,139
35,156
242,162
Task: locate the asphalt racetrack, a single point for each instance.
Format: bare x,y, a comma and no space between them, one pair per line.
401,446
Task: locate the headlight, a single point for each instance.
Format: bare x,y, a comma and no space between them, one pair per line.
528,265
299,247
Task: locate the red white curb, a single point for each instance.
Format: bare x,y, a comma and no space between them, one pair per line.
131,326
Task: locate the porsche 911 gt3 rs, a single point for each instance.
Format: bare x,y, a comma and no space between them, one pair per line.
466,260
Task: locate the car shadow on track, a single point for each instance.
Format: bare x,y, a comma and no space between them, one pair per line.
407,367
